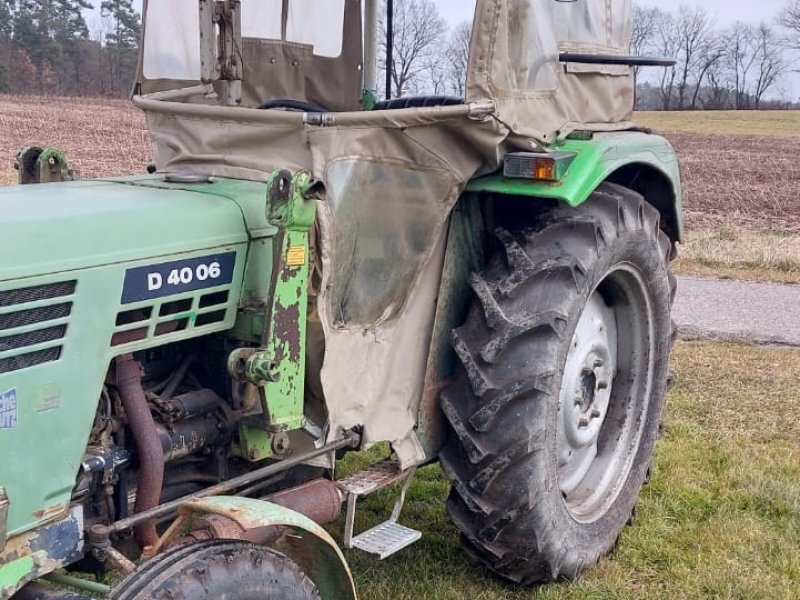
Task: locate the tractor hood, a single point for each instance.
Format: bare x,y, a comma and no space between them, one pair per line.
52,228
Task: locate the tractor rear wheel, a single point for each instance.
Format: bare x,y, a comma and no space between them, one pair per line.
217,569
555,410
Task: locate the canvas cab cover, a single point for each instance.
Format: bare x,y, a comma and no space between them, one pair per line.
392,176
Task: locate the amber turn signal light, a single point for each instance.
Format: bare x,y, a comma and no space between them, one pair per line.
550,166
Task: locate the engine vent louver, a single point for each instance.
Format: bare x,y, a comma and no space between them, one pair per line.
32,316
171,317
36,293
31,359
33,335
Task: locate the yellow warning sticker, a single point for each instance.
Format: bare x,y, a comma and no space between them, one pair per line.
296,257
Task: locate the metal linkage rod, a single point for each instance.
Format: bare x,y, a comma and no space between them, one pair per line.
350,440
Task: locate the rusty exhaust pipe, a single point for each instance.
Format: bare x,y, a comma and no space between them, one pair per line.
319,500
150,478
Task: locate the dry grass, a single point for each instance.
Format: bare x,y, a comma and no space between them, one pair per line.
101,137
8,177
743,254
772,123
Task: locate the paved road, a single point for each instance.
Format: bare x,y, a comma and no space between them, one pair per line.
763,313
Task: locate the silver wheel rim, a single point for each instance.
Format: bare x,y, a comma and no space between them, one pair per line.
604,394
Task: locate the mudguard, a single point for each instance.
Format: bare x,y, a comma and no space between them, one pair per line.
310,546
596,160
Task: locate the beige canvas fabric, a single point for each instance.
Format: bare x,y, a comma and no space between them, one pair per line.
274,68
514,62
393,177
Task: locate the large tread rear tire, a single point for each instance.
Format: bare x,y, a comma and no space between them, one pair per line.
504,406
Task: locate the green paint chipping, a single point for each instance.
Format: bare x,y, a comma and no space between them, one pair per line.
279,368
14,573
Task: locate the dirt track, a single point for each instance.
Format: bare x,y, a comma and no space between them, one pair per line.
762,313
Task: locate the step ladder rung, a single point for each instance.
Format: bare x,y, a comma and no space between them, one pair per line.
372,479
386,539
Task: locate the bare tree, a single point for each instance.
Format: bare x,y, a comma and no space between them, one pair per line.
692,29
740,58
770,63
789,17
644,32
435,71
458,58
419,30
718,90
709,57
667,44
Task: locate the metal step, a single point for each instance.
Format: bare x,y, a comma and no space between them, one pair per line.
373,478
386,539
389,537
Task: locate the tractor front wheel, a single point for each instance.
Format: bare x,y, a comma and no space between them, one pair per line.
556,409
217,569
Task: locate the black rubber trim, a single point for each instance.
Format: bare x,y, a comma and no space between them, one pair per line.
303,105
616,59
418,102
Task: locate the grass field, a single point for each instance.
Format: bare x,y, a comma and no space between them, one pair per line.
720,520
770,123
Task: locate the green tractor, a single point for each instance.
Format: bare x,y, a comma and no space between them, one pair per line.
305,272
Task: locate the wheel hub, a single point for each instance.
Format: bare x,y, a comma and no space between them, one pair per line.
603,399
586,391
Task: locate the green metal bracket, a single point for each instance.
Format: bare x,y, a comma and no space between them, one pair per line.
278,367
369,98
37,165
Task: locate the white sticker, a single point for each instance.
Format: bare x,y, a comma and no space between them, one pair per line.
8,409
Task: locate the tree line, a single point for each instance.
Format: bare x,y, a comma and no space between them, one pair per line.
46,47
736,67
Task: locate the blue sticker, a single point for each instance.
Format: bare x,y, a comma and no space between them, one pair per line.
8,409
178,277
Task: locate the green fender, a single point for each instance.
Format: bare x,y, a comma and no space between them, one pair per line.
311,547
597,159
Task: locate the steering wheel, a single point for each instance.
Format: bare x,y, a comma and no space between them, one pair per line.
302,105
